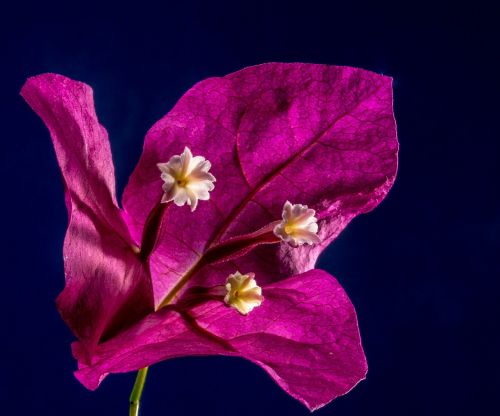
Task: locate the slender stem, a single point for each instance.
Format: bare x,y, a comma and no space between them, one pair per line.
135,396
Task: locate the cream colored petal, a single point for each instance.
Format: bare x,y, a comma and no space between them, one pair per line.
180,198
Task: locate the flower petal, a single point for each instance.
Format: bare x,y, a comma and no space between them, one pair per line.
102,273
304,335
320,135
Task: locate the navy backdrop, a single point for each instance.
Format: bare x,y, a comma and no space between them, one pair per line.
422,269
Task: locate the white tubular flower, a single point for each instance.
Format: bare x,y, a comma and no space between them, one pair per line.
299,225
187,179
243,294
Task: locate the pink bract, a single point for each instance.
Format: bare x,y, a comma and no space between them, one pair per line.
318,135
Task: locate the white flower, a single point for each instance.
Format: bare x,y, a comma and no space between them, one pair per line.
299,225
187,179
243,294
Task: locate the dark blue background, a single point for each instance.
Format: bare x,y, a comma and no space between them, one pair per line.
422,269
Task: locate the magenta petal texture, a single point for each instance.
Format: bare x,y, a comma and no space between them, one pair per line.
320,135
106,286
145,283
304,335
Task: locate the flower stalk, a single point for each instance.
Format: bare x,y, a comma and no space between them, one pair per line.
135,396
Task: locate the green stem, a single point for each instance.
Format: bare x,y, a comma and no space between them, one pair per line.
135,396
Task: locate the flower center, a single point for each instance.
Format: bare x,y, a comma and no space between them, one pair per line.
182,182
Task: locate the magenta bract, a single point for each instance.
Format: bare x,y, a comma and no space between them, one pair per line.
138,278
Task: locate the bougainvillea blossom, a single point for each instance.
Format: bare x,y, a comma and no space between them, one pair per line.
142,282
243,293
186,179
299,225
